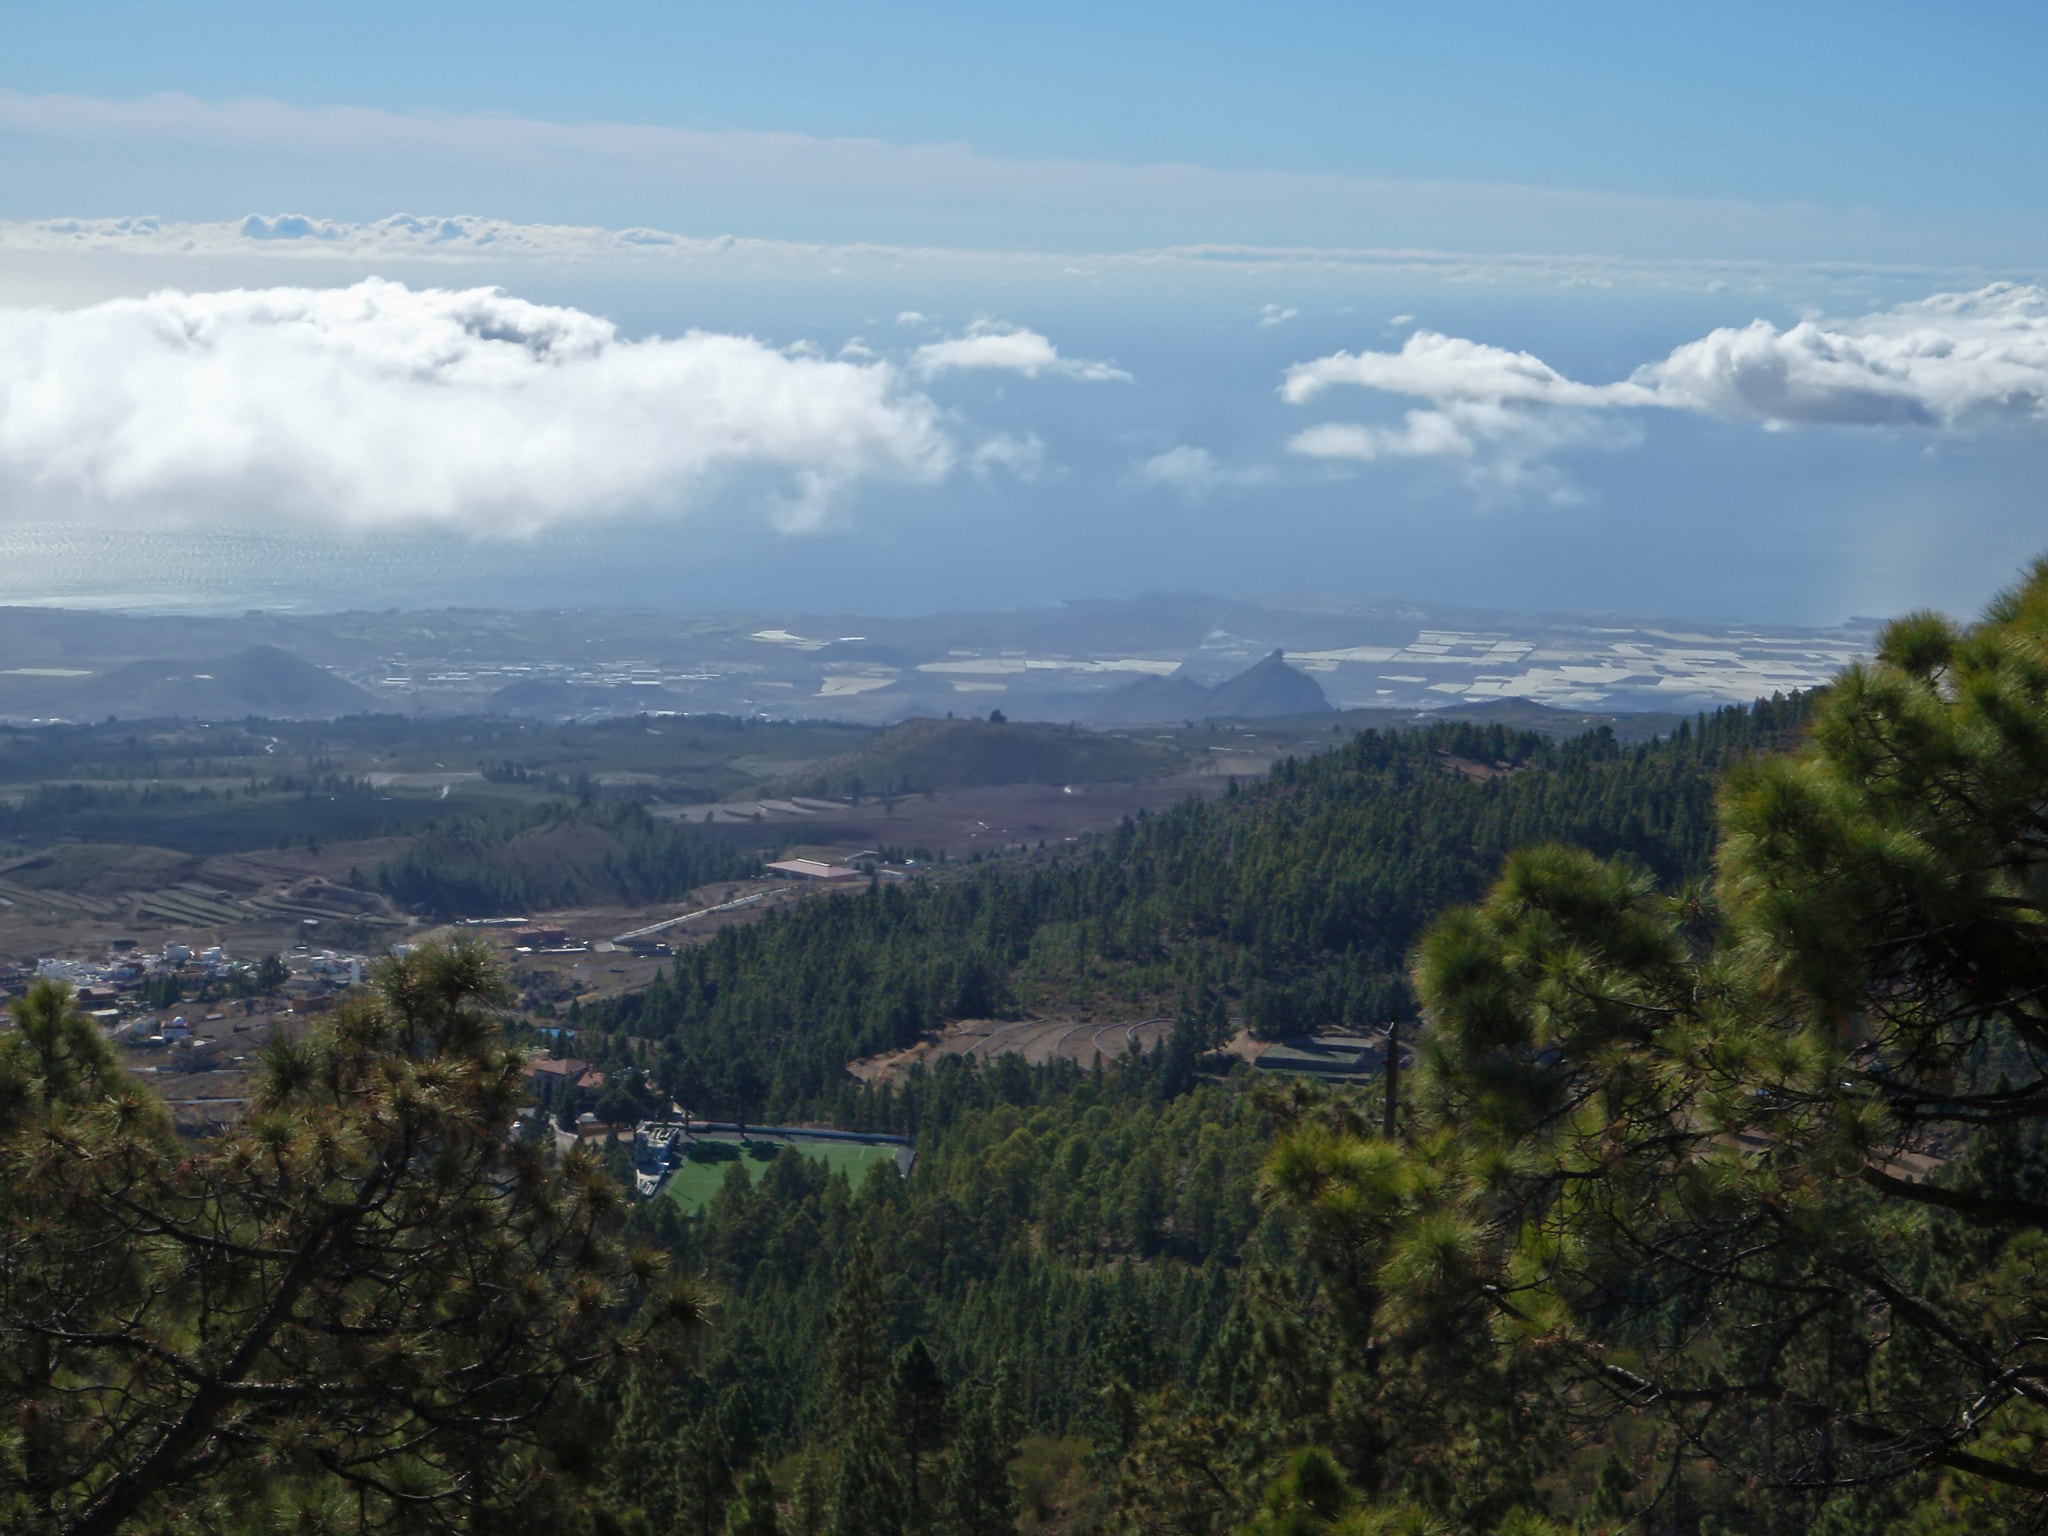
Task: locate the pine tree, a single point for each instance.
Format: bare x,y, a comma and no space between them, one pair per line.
707,1456
1689,1125
868,1498
643,1450
981,1497
917,1397
857,1365
752,1511
364,1280
810,1504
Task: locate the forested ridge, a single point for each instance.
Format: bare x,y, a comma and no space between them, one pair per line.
559,854
1080,1233
1290,904
1088,1244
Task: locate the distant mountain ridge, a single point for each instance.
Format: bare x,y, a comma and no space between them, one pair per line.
263,680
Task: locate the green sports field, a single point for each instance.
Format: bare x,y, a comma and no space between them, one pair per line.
693,1184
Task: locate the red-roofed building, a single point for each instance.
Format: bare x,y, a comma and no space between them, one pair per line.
567,1069
549,1081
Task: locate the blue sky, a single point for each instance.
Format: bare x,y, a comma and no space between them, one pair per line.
1902,106
1188,261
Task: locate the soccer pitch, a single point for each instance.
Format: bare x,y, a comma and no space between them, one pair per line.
709,1160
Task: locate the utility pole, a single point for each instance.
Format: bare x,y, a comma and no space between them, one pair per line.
1393,1075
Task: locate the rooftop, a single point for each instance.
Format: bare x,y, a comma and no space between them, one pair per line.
812,869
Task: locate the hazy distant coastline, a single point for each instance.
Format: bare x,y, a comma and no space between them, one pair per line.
1103,662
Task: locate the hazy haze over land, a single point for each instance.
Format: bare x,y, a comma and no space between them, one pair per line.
1165,657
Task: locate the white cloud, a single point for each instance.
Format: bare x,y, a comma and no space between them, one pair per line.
1183,468
172,150
1422,434
258,241
1194,471
382,406
1447,368
1953,360
910,317
1015,349
1271,315
1022,457
1950,362
1501,449
404,236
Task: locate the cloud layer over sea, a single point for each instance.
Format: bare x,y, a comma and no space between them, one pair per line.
762,420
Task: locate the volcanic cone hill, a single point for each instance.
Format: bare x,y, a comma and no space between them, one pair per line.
1267,689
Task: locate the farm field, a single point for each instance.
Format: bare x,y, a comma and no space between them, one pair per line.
959,823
